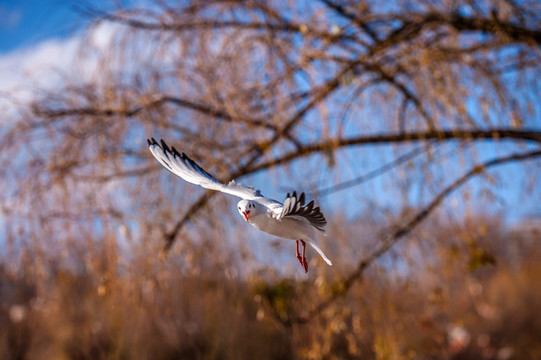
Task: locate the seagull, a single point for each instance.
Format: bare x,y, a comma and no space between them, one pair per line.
291,220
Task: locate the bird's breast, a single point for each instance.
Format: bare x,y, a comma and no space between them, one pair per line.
284,228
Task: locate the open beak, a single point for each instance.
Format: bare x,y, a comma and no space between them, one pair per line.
246,214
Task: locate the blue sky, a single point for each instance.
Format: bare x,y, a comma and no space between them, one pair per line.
36,32
28,22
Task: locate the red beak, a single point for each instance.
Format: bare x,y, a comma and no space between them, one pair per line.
246,214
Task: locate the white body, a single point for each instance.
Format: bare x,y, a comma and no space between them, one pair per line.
288,228
295,222
285,228
270,221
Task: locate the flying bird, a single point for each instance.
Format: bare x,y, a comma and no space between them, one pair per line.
291,220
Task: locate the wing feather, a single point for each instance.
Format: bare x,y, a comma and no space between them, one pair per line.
181,165
294,207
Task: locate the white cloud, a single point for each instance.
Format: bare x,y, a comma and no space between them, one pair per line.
33,66
101,37
46,65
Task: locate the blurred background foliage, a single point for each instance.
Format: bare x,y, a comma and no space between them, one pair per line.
444,309
414,124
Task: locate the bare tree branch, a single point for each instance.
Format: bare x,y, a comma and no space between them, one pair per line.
413,23
156,100
286,27
389,138
351,16
345,284
374,173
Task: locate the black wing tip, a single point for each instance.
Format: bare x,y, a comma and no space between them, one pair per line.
295,206
294,195
193,164
185,158
299,199
175,152
165,147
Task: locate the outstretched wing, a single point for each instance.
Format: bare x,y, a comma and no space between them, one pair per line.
294,207
181,165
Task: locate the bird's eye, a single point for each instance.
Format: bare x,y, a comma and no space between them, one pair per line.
239,207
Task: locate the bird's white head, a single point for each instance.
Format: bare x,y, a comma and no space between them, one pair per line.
247,209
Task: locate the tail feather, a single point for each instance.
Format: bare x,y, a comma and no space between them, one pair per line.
320,252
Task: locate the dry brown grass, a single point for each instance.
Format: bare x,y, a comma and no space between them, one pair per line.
133,311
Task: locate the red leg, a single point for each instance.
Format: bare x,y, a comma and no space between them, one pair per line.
304,263
298,254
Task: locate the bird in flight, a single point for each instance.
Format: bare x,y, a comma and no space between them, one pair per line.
291,220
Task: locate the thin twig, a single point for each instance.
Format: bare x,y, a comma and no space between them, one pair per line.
374,173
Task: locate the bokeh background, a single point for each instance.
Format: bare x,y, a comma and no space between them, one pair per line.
415,125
